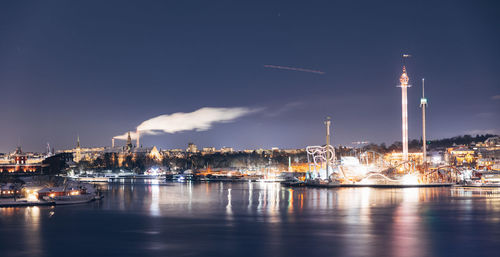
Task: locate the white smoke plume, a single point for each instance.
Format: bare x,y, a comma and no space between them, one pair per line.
199,120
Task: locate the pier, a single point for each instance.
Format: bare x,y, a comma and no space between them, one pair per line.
334,185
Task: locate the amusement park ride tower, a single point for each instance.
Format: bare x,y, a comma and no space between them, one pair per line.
327,123
404,104
423,105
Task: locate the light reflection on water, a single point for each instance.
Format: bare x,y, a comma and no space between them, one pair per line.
258,219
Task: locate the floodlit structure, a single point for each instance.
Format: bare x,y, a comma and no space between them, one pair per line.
21,162
423,105
318,161
327,124
404,105
321,159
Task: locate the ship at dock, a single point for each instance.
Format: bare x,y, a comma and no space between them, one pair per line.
38,191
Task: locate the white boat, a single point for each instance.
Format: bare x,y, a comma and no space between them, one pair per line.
73,199
282,177
271,180
92,178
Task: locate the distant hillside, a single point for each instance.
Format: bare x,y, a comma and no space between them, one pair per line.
416,145
459,140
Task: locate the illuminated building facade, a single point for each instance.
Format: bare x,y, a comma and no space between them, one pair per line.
84,153
461,155
192,148
156,155
208,150
20,162
226,150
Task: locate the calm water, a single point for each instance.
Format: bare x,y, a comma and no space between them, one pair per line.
255,219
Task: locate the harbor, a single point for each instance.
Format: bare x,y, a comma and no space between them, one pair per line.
331,185
43,191
148,217
249,128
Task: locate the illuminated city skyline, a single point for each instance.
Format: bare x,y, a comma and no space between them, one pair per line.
61,77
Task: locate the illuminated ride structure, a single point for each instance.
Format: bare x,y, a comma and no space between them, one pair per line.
370,168
367,168
321,162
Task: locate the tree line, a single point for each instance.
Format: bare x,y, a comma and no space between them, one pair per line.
436,144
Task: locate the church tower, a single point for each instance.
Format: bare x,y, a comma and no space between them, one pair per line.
129,142
77,155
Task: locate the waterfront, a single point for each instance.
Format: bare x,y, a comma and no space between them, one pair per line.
149,218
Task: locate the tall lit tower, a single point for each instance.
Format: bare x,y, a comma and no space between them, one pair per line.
423,105
404,105
327,123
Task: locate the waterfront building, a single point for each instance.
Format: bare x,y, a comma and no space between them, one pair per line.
8,190
260,151
192,148
485,163
208,150
156,155
59,191
460,155
488,153
490,144
21,162
120,156
137,153
178,153
226,150
84,153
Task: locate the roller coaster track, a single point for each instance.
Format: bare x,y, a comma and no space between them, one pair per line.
383,176
320,155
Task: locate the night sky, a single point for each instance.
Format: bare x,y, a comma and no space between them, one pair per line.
100,68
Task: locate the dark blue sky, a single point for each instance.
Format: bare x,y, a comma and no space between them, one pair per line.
99,68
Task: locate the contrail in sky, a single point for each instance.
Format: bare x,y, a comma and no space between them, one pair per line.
292,68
